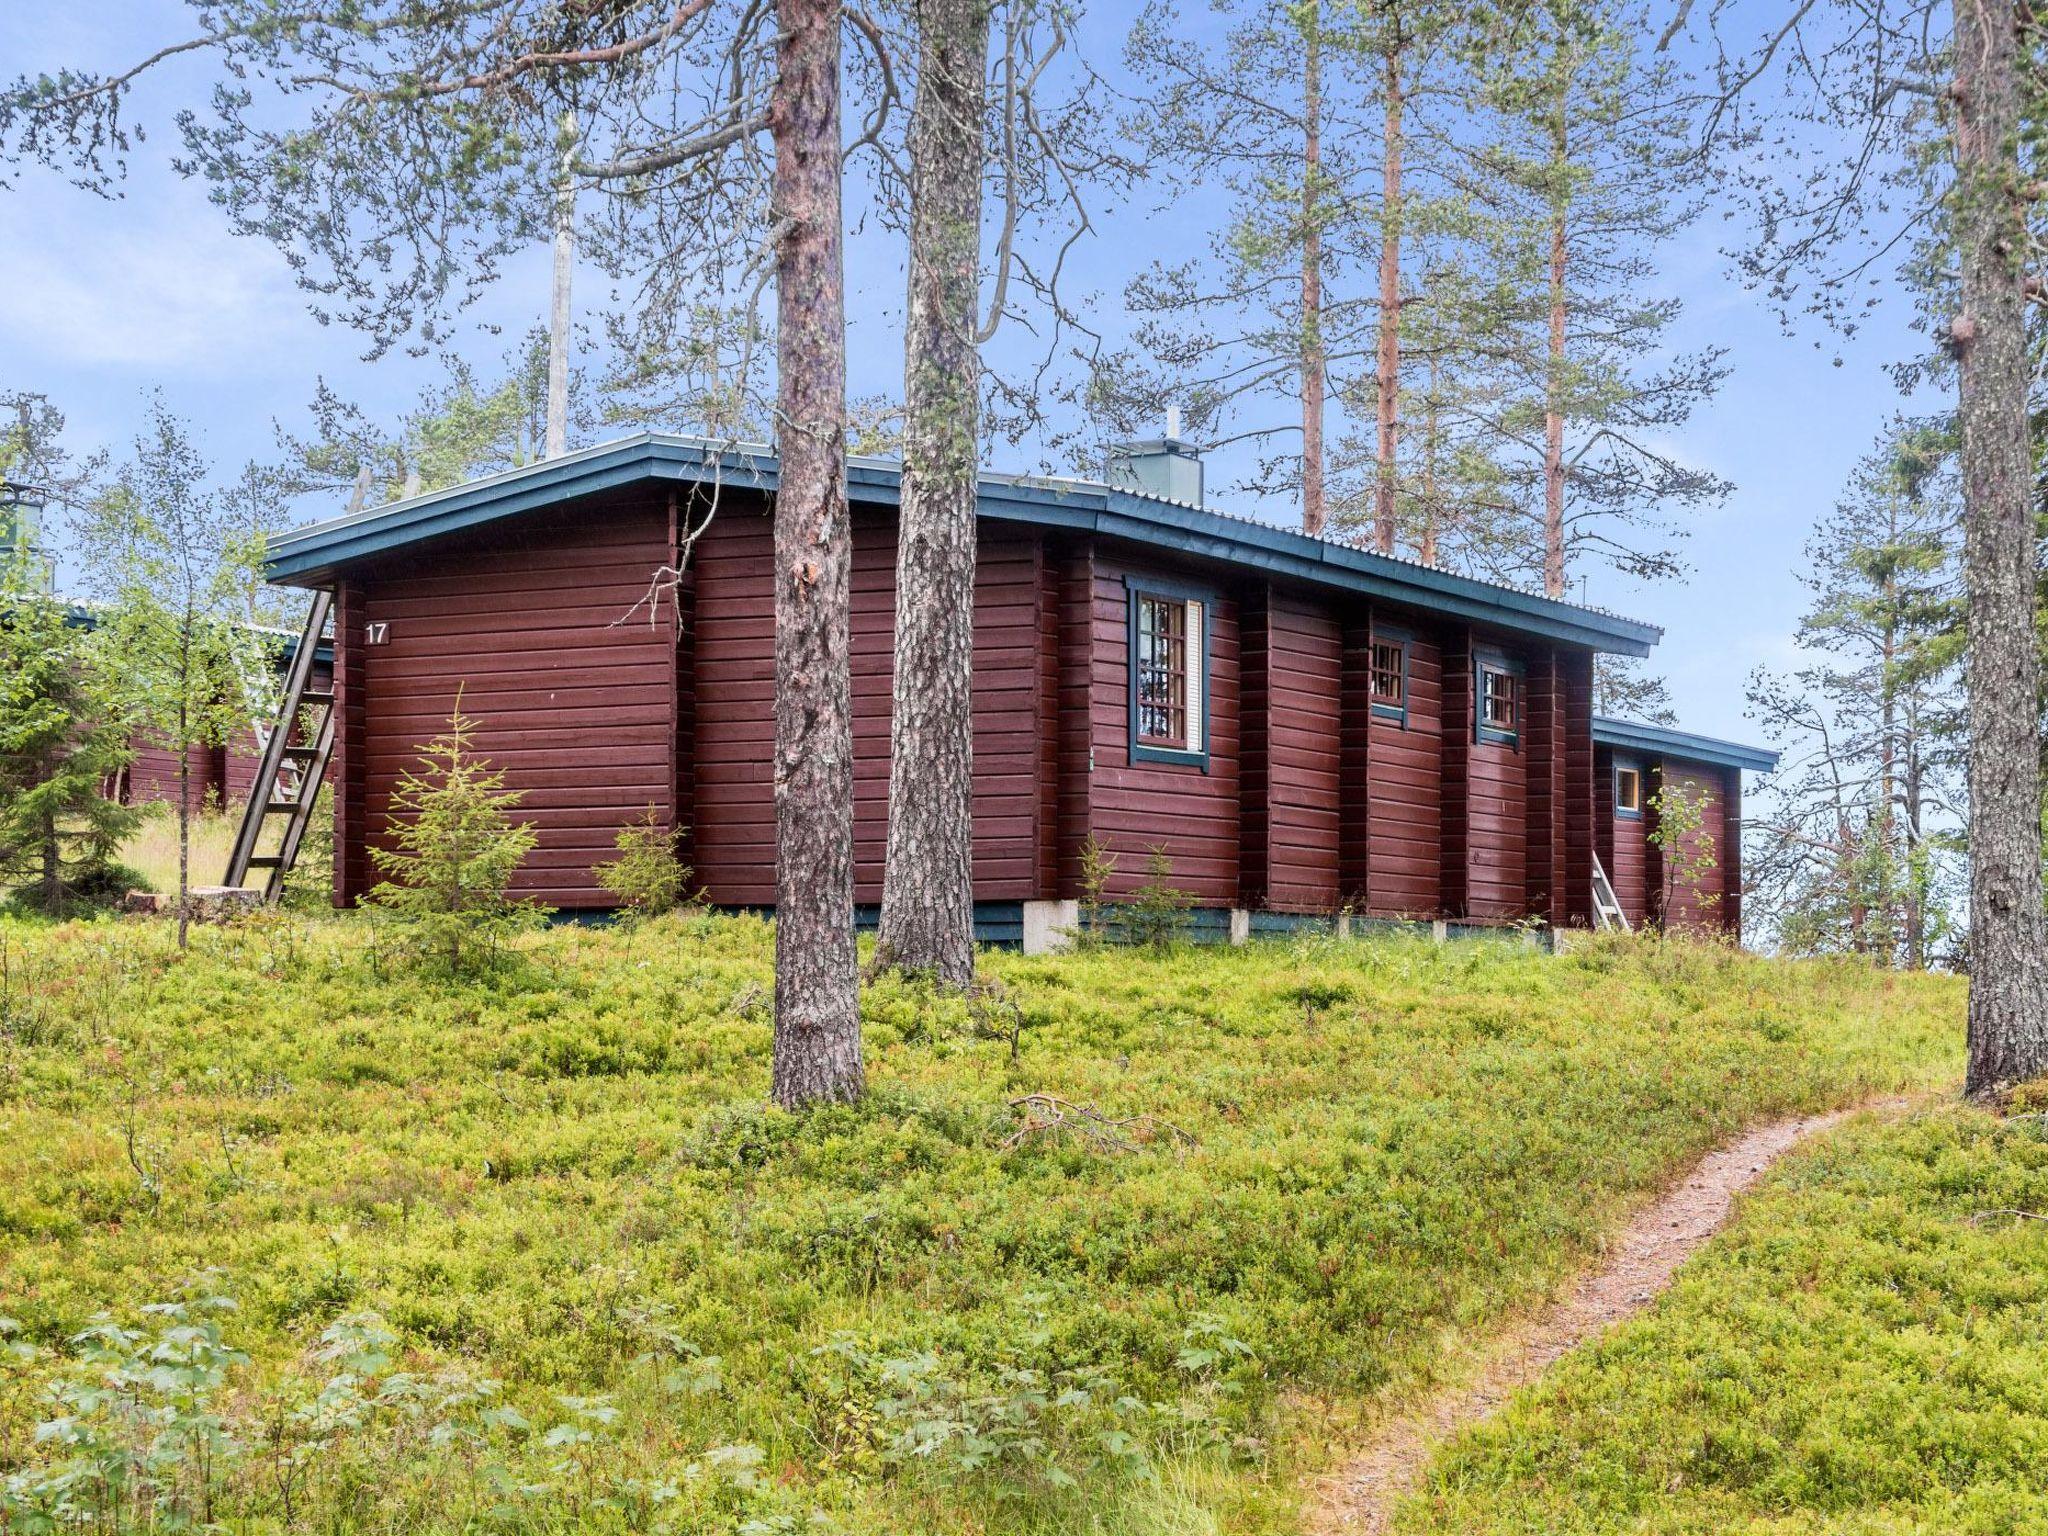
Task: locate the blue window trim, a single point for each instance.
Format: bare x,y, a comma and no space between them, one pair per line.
1484,662
1634,766
1391,634
1136,587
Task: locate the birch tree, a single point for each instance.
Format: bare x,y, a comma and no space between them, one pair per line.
171,569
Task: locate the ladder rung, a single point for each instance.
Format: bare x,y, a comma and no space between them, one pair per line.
264,861
306,754
311,697
279,807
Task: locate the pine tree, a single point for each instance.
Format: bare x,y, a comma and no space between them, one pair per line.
1592,172
60,833
1247,345
1848,854
457,848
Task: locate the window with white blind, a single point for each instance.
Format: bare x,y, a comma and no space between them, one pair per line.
1169,676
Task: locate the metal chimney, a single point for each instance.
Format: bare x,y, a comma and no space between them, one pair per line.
1168,466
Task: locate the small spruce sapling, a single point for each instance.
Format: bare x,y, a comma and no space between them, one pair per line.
458,847
60,836
1098,864
1157,913
647,877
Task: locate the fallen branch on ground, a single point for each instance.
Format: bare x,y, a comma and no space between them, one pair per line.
1049,1116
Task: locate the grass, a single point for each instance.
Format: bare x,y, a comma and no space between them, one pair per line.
153,851
1862,1354
529,1253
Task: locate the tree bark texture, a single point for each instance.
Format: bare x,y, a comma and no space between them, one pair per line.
928,881
1553,403
1389,358
2008,946
1314,365
817,1003
558,308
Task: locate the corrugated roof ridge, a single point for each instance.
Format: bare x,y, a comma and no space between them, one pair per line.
722,447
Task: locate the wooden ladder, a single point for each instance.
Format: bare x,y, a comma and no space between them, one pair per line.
1607,911
271,794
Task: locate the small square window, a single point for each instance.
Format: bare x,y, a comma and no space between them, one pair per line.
1499,703
1168,653
1390,677
1628,791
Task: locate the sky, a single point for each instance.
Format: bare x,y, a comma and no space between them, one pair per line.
103,301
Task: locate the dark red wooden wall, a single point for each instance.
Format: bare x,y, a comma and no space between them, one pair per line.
1306,801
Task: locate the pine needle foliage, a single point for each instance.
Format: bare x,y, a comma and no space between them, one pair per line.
59,835
457,849
647,877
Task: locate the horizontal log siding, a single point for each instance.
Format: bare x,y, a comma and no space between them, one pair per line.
1731,853
1305,674
1406,804
1135,807
576,708
733,660
1621,842
1696,901
1497,831
1575,669
345,770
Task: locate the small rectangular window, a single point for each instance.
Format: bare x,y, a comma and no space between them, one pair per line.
1168,651
1500,701
1390,677
1497,707
1628,791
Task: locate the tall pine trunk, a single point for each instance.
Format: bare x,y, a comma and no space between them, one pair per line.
817,1001
1431,427
928,883
1553,391
558,307
1315,380
1389,356
2008,945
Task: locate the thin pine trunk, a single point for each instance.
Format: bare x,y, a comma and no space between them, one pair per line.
817,1001
1389,354
558,308
1315,380
1553,392
2008,946
927,923
1430,429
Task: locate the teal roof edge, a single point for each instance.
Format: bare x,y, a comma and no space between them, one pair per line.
311,555
1668,741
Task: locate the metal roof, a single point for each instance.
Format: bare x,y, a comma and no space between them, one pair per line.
311,556
1667,741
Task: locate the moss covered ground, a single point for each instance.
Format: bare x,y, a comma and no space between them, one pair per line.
1862,1353
527,1252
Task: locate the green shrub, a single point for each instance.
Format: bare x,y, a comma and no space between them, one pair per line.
647,877
562,1177
457,850
1157,912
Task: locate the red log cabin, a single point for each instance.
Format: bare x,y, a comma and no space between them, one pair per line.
1301,726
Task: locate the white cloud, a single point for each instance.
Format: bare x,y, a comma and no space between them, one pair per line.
153,284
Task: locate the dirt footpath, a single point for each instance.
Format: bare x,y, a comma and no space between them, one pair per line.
1360,1496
